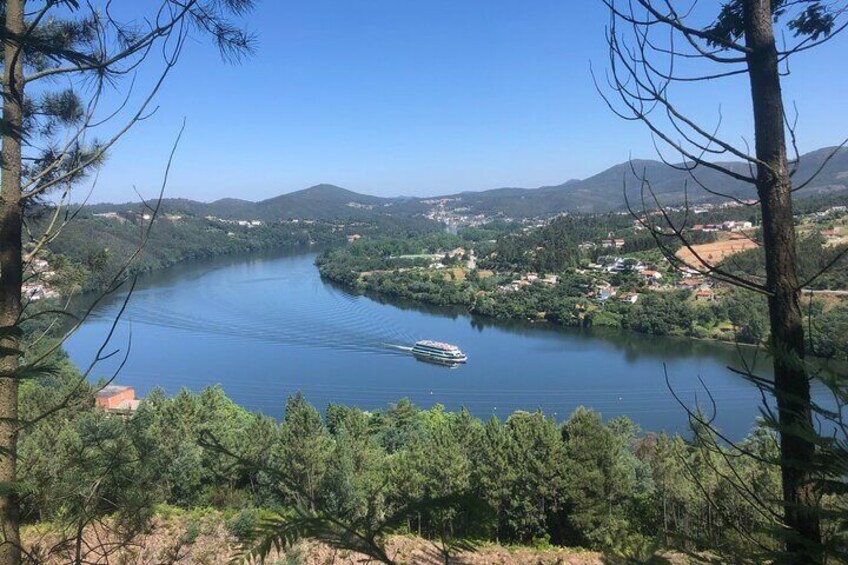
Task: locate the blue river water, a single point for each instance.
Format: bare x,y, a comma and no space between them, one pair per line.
266,326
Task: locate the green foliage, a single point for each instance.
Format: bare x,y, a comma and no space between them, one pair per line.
351,478
666,313
93,248
244,524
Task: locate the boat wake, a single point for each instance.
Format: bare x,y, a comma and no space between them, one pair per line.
404,348
287,319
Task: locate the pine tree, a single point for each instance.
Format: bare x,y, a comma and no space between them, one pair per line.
59,59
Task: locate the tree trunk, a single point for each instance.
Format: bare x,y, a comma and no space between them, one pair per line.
11,275
792,386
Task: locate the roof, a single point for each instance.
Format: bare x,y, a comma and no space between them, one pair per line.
112,390
437,345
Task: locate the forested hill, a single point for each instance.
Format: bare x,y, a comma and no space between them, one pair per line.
604,192
599,193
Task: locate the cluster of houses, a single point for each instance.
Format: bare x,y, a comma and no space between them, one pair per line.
37,287
609,243
145,216
730,225
527,279
604,291
833,211
242,223
702,287
452,217
616,264
459,253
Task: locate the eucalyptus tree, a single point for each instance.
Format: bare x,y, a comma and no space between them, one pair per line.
63,63
656,47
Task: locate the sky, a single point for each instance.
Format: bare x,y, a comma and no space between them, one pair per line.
418,98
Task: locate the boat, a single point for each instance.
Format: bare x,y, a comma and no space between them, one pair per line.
438,352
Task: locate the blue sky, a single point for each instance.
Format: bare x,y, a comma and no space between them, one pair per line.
419,98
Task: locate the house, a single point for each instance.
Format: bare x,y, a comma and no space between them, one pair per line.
117,399
629,298
705,295
631,264
614,243
353,237
607,293
651,275
36,291
690,283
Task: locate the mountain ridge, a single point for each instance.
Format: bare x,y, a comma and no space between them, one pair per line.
601,192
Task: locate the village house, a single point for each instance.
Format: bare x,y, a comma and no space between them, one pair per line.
652,276
110,215
605,293
458,252
116,399
830,235
612,243
705,295
691,283
629,298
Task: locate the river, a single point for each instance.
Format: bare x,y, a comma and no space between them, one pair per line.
267,326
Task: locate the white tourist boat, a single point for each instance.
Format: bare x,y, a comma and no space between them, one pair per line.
438,352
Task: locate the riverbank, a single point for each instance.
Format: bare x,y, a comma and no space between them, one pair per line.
642,295
96,246
197,324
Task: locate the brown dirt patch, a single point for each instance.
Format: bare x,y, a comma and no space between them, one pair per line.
715,252
205,541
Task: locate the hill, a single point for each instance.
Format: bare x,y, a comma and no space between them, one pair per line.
602,192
